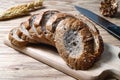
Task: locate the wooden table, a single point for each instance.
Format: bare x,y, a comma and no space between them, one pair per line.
17,66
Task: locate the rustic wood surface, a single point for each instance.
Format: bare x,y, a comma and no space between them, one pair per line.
16,66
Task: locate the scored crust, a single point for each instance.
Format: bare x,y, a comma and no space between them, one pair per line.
77,44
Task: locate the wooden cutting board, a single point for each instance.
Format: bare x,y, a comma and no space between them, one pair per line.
108,65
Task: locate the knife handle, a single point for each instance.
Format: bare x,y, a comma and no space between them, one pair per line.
115,30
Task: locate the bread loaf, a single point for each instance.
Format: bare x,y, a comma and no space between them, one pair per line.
78,41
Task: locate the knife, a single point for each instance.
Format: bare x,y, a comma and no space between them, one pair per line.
107,25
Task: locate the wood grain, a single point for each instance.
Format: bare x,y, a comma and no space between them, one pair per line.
16,66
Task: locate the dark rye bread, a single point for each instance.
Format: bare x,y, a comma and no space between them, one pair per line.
77,40
52,24
79,45
15,39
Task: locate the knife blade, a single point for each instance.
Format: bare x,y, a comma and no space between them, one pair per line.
107,25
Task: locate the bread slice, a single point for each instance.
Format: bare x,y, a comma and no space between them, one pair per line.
15,39
79,45
38,23
23,29
52,24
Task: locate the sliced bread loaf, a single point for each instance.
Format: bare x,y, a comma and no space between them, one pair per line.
77,40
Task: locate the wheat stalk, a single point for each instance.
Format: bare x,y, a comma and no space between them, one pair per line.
21,10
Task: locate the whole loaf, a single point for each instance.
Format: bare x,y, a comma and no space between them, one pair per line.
77,41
